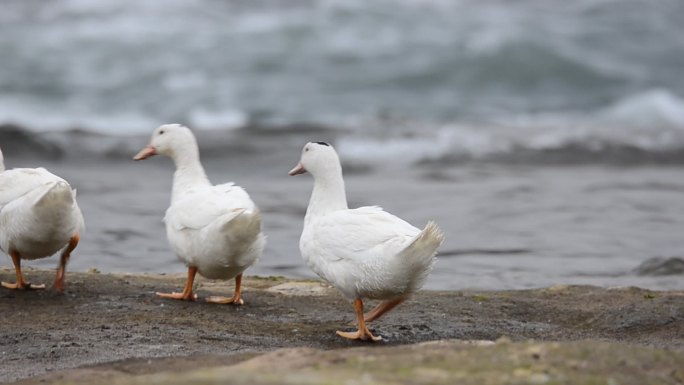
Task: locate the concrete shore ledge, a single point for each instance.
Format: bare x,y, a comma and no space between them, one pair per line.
111,328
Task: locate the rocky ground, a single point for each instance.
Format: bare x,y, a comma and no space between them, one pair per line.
113,329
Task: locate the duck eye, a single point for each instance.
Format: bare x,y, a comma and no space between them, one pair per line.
161,132
306,149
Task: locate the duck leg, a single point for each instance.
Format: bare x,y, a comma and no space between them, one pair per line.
235,299
363,333
21,284
382,308
63,259
187,290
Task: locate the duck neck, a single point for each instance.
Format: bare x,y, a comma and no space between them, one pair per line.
328,194
189,171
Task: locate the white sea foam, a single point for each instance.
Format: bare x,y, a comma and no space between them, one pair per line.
41,118
218,120
482,141
655,107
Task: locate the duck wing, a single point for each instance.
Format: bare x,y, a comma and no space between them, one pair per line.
18,182
361,234
200,208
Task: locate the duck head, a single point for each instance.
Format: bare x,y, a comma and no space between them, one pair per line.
166,140
317,158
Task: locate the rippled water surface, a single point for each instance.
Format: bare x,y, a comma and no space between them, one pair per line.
545,137
507,226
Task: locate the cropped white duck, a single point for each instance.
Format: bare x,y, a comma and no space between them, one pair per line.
214,230
364,252
38,217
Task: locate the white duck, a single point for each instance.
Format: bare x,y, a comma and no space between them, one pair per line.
364,252
38,217
214,230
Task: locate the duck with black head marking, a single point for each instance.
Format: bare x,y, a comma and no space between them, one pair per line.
366,253
214,229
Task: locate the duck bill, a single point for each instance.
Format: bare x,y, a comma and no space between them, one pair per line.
298,169
145,153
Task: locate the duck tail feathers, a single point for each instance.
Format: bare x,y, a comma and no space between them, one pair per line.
420,254
242,223
55,193
243,234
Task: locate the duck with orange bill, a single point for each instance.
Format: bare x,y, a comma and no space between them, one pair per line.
214,229
366,253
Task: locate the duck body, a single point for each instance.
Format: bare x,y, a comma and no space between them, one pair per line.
215,230
39,216
366,253
38,212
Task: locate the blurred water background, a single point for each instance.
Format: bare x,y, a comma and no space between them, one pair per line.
545,137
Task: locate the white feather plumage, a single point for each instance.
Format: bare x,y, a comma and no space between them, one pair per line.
39,214
364,252
213,229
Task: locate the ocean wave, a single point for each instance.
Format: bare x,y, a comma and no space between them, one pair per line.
646,127
36,119
655,107
449,144
547,145
39,118
468,80
118,67
611,136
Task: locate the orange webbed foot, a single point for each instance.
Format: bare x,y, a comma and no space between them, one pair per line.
22,286
364,335
234,300
181,296
187,294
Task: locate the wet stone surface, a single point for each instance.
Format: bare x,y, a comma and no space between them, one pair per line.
110,325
